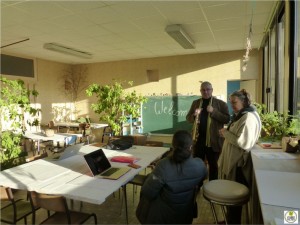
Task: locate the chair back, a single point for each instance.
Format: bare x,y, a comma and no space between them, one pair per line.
139,139
51,124
6,194
16,209
49,202
59,205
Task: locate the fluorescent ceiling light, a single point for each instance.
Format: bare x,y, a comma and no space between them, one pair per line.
179,35
67,50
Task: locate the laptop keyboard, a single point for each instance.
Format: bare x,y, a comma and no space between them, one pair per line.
110,172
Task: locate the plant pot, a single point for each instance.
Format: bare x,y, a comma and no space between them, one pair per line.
290,144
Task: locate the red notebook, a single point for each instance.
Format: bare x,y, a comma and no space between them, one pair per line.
124,159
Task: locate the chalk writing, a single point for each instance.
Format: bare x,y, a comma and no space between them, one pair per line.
165,108
166,114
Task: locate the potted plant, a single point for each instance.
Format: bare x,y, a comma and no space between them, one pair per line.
292,143
14,103
73,83
114,104
277,125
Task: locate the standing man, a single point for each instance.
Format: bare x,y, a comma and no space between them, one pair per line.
209,115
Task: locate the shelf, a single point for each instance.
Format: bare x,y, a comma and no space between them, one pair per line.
132,126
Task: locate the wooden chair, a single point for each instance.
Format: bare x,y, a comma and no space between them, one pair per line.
15,210
86,132
52,126
107,132
62,214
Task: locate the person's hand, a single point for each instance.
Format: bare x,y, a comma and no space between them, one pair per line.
221,132
197,112
210,109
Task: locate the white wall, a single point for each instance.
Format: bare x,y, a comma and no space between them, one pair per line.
177,75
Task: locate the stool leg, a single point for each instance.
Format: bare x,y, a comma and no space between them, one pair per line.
224,214
214,212
247,213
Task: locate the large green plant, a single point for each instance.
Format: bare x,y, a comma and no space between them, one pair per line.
114,104
276,125
14,103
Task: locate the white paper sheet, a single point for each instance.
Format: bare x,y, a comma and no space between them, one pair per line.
278,188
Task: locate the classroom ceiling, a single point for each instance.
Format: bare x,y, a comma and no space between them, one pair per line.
122,30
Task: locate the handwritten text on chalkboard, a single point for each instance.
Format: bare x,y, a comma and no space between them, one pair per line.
166,114
162,107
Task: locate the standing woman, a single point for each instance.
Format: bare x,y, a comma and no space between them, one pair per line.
240,136
167,195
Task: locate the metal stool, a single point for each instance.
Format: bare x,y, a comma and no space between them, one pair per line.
225,193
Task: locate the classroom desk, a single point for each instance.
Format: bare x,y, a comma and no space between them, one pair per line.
72,124
39,137
69,177
276,184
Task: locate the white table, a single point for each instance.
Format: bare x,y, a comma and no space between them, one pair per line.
68,177
72,124
276,184
39,137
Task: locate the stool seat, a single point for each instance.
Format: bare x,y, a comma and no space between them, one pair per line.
226,192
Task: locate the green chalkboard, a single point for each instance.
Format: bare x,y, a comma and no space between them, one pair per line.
166,114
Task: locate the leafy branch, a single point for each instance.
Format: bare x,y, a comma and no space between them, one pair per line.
114,104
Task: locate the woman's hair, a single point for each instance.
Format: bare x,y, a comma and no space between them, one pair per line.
182,142
244,96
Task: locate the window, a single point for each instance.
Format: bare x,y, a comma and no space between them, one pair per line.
279,91
281,74
298,57
16,66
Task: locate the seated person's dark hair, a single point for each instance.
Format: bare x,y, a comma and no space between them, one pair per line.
182,143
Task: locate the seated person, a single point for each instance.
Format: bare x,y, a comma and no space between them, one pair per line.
167,195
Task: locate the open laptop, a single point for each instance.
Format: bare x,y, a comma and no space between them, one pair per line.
68,152
101,167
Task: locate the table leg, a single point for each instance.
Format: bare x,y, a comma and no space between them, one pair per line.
38,146
125,200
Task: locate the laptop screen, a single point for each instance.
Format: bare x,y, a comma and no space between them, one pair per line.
97,161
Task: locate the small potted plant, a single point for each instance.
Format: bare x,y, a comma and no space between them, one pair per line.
278,127
291,143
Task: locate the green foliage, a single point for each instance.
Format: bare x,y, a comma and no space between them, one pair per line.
113,104
276,125
10,148
14,103
295,125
